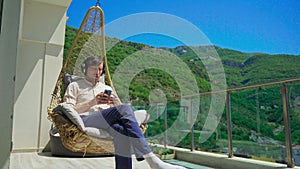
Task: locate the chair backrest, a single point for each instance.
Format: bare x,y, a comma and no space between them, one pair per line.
69,79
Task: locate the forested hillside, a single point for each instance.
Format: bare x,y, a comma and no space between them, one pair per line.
241,69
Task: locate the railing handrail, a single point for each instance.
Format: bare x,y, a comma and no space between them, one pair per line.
239,88
290,159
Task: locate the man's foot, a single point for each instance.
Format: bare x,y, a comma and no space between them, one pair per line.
164,165
155,163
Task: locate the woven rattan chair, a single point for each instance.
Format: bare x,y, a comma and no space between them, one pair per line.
71,136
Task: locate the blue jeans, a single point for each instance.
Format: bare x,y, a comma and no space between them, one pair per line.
120,123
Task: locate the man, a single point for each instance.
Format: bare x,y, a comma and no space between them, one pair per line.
100,110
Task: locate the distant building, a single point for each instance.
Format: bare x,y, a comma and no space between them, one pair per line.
296,153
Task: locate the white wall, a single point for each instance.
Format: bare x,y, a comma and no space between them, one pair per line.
42,30
8,56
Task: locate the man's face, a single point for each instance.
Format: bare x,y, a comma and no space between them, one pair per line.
93,73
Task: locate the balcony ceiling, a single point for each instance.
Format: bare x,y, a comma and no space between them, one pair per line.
64,3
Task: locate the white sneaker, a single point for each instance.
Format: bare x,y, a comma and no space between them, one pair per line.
155,163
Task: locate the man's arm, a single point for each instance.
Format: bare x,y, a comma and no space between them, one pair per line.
70,97
85,106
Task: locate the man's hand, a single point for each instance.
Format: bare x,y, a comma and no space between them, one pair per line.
102,98
113,100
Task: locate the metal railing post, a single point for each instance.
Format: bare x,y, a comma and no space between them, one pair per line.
165,127
229,124
288,139
192,125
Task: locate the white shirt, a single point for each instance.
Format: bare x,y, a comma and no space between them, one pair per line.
81,91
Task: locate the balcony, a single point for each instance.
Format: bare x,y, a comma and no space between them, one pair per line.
258,122
228,146
184,157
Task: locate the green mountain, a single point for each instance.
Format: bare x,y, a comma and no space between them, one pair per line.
255,112
249,68
240,68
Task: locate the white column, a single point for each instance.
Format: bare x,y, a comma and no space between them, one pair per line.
8,55
41,42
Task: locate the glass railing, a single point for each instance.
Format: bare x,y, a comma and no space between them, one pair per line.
259,121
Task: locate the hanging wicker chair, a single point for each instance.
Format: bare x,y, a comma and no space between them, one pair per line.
72,137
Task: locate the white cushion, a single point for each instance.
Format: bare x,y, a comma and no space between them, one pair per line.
141,116
98,133
71,113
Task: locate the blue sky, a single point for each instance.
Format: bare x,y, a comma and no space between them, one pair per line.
268,26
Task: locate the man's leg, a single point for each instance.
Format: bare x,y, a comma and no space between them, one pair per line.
132,130
120,129
122,148
123,115
123,120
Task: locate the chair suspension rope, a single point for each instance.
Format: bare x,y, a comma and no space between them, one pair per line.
98,3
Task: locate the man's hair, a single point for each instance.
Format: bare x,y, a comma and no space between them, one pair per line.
91,61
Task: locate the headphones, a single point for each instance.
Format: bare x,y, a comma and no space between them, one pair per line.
84,67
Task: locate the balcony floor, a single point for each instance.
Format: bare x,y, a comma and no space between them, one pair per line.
34,160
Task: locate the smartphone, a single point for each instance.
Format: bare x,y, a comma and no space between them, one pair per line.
108,92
